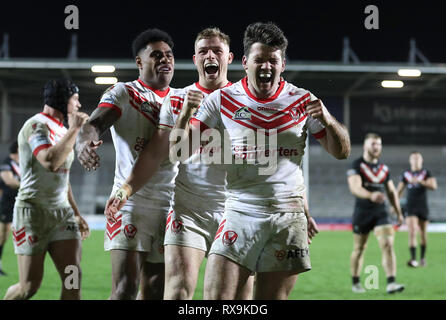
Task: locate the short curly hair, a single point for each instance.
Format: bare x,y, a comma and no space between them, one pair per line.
148,36
266,33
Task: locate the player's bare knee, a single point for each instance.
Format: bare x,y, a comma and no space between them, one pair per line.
126,289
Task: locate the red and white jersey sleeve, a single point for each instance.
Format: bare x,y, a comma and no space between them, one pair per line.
38,185
139,107
237,111
171,108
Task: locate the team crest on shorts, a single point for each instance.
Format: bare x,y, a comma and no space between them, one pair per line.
280,254
177,226
130,231
229,237
32,239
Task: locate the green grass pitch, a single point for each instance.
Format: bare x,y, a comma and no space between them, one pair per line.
329,279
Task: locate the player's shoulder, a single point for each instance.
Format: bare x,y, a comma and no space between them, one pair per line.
358,161
384,166
117,88
293,90
354,167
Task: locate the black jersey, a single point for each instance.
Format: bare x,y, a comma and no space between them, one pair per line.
374,178
8,164
416,193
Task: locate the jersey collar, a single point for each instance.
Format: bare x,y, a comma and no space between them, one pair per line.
60,124
201,88
160,93
272,98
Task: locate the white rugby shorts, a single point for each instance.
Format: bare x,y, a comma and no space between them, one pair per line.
264,242
33,228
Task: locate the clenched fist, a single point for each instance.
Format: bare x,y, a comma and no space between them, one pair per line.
192,101
317,110
77,119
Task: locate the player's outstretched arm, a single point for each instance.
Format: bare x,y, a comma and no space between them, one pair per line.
394,200
54,157
145,166
83,225
337,139
88,139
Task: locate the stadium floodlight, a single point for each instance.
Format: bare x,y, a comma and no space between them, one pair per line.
409,72
105,80
103,69
392,84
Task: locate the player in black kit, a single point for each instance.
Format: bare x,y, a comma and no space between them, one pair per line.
418,181
369,181
9,182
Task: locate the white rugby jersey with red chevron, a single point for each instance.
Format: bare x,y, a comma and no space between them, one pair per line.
139,108
236,110
206,181
40,186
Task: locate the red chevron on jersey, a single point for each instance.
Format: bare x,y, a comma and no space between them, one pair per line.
136,96
412,175
113,229
280,120
374,176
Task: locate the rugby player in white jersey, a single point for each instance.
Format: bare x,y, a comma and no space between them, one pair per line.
136,234
199,188
46,217
264,227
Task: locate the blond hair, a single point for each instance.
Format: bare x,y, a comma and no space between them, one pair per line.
210,33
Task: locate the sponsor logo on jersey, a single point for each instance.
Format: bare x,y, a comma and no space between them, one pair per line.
242,114
229,238
267,108
145,107
130,231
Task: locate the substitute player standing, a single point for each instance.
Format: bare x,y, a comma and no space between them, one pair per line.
132,110
199,188
418,180
369,181
46,217
264,227
9,183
